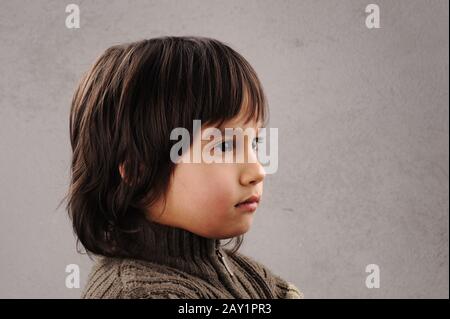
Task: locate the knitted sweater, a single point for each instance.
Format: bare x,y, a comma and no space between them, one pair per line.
185,265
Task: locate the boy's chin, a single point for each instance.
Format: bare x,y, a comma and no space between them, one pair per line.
238,232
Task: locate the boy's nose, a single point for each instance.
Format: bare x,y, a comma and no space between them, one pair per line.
252,173
252,170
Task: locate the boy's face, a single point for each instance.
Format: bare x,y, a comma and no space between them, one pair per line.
202,197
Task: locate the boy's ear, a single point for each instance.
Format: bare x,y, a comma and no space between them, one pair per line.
122,172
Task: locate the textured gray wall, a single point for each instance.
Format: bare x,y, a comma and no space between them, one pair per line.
363,125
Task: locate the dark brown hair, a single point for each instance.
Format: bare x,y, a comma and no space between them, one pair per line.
123,112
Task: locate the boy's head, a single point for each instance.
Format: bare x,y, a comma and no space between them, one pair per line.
122,116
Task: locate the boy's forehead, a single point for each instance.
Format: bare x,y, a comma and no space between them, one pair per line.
252,125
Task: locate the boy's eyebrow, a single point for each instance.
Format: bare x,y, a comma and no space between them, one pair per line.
222,128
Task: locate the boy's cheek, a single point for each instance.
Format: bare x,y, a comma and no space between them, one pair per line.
215,199
212,185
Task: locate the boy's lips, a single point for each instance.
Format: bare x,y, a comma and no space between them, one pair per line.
249,204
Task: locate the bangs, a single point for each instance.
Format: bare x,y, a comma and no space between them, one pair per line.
224,85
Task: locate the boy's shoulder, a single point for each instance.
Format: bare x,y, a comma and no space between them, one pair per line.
127,278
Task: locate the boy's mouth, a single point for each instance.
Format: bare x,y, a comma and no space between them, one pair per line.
252,201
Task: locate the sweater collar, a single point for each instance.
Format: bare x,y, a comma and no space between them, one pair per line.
168,242
202,257
193,254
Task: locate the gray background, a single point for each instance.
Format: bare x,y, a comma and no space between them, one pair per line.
363,124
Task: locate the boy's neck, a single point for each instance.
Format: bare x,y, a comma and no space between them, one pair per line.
176,242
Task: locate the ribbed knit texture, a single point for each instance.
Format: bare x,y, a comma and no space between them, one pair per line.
180,264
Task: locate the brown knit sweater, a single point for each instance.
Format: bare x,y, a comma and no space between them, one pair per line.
185,265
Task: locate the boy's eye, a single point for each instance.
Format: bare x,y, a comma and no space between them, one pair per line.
228,146
256,141
225,146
